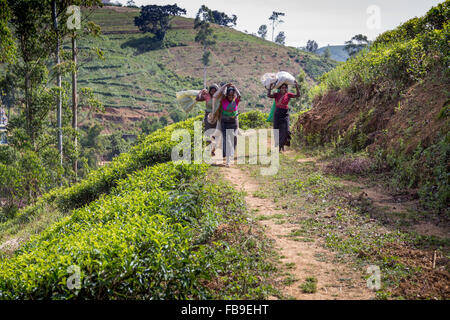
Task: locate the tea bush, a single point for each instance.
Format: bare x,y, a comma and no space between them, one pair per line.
148,239
155,148
253,120
397,57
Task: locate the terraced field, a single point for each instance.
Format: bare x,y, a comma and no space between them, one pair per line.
138,73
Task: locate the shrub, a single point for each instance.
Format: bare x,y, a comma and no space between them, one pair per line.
397,57
155,148
147,239
253,120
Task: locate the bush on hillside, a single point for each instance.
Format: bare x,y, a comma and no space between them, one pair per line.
147,239
397,57
253,120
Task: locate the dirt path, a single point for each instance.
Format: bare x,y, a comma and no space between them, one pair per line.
301,259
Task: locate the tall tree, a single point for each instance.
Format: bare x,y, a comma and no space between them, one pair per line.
31,74
205,35
281,38
275,18
40,27
356,44
131,3
222,19
327,53
262,31
156,19
59,8
33,49
312,46
58,82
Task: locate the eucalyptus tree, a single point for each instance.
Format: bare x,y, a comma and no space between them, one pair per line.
205,35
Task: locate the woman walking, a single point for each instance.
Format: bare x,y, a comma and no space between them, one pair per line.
281,115
229,98
207,96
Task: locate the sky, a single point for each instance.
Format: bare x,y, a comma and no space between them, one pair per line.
328,22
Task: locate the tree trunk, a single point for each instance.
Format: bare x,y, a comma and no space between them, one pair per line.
27,105
273,29
204,78
75,104
204,70
58,84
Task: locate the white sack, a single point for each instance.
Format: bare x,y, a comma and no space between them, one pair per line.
284,77
268,79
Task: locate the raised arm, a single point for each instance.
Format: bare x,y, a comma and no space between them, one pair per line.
269,92
238,94
221,91
201,95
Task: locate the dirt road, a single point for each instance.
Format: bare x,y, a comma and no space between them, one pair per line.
301,259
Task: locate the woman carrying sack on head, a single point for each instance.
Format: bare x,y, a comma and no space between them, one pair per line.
207,96
281,115
228,98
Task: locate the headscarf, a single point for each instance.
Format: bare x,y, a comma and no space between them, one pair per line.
213,86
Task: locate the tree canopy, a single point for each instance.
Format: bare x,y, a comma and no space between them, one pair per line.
7,46
223,19
275,18
281,38
262,31
156,19
312,46
202,23
356,44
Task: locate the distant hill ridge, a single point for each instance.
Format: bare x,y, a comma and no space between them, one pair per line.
337,52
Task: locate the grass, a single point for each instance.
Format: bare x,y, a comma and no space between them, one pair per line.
259,194
289,280
319,205
309,286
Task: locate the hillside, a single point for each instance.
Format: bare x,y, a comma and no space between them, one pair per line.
138,79
392,102
338,53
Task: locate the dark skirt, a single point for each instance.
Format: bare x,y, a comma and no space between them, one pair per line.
229,143
281,122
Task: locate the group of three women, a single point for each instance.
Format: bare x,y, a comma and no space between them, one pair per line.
223,114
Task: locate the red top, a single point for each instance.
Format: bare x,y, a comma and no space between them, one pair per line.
283,101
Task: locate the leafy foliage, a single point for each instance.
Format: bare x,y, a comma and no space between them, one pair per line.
395,64
253,120
7,45
153,236
156,19
417,50
312,46
281,38
356,44
223,19
262,31
146,240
